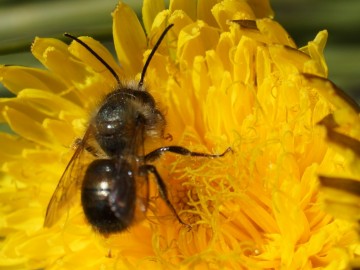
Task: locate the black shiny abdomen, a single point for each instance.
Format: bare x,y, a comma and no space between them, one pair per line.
107,196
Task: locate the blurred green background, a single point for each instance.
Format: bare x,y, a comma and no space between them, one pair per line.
22,20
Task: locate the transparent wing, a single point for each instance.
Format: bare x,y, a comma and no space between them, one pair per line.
142,197
135,158
71,180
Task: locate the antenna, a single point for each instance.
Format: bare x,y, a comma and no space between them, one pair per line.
141,82
112,71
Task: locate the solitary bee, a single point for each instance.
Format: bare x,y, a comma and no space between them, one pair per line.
109,163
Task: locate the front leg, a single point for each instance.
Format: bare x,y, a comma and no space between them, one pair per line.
155,154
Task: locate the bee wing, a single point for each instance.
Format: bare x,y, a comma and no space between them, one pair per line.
141,181
142,196
70,181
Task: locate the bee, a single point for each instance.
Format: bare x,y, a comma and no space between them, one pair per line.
109,164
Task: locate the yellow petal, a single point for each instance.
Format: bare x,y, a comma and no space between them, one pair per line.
40,105
342,197
86,57
12,146
348,147
150,9
228,10
54,55
189,7
275,32
244,71
16,78
57,127
27,109
315,49
50,103
261,8
348,108
204,11
333,93
129,39
194,40
25,126
287,60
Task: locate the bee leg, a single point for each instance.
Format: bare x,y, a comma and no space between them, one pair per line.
155,154
163,190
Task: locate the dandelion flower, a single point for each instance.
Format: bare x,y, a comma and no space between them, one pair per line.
226,74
